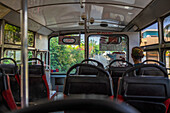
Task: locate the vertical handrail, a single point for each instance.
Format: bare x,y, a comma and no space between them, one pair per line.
86,40
24,55
2,37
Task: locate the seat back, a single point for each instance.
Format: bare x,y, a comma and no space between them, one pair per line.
93,62
7,101
117,72
38,87
146,88
83,70
147,94
152,70
88,84
88,71
150,93
12,71
148,107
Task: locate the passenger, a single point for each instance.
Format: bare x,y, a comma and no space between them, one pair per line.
137,55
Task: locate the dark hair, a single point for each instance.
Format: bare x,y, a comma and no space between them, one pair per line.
137,53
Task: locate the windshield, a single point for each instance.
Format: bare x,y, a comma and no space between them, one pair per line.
64,54
105,48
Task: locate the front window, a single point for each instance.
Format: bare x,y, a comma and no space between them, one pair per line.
105,48
65,52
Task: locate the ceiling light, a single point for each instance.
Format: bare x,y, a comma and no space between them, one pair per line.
126,7
130,13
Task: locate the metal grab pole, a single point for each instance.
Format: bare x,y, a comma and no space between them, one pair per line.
24,55
86,38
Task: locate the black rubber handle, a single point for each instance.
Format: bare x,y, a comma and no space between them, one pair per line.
98,63
9,59
146,65
88,65
36,59
16,67
161,63
80,105
121,61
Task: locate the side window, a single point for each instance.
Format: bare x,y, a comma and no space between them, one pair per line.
12,35
16,55
39,55
166,25
151,55
149,35
167,58
42,56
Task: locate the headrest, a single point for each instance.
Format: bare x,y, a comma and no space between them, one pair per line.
151,71
88,85
84,70
87,71
146,87
36,70
9,68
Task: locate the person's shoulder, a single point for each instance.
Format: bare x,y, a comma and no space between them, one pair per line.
137,64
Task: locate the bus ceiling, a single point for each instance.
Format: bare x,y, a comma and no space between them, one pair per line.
50,17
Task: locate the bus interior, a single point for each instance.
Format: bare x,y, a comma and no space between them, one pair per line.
76,56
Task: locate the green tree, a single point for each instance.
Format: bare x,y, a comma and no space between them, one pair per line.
64,56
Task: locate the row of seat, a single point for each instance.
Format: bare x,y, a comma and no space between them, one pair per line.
148,94
38,87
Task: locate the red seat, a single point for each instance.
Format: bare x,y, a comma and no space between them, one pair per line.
6,96
38,81
12,71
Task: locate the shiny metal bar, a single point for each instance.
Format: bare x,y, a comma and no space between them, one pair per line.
86,38
2,37
24,55
160,27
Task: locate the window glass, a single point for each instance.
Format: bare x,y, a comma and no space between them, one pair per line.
105,48
149,35
151,55
42,56
168,61
16,55
166,24
12,35
63,56
39,55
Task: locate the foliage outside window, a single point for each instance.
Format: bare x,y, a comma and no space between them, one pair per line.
16,55
166,25
106,52
12,35
62,57
149,35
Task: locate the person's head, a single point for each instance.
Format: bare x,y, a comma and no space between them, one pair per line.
137,54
